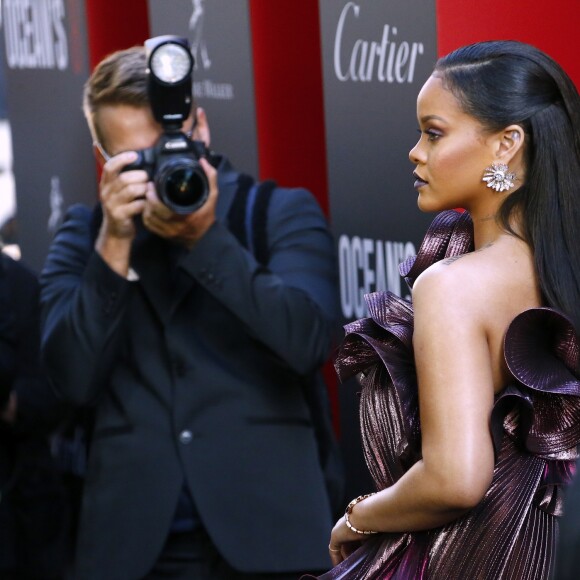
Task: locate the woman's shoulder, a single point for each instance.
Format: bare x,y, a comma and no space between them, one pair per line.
464,274
499,277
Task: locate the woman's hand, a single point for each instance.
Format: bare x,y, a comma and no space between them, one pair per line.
343,541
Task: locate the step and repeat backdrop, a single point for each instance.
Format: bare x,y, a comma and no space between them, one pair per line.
45,64
375,58
223,75
342,73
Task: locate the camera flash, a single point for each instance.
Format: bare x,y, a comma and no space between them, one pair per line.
170,63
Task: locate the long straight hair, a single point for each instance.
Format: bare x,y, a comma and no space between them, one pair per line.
501,83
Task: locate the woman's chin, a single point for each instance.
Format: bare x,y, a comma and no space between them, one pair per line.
426,205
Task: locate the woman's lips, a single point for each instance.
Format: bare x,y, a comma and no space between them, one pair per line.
418,181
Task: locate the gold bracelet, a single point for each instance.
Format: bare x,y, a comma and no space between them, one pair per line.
348,511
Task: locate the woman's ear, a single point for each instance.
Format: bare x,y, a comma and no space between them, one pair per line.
510,143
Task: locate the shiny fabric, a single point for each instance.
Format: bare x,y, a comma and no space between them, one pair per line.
535,424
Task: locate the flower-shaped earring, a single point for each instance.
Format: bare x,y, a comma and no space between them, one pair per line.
498,177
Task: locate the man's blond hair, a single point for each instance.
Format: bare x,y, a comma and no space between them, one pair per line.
119,79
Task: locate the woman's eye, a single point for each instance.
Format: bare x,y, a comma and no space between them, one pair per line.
432,135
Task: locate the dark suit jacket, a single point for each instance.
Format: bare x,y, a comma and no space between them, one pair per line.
568,547
33,507
196,372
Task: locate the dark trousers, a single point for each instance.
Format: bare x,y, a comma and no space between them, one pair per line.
193,556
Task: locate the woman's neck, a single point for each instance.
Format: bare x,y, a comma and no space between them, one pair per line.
487,227
486,230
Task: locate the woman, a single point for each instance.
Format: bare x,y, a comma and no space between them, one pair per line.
470,407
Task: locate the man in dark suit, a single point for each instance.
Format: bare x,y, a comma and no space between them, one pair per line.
203,459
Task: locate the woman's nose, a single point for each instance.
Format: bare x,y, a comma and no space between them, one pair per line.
414,154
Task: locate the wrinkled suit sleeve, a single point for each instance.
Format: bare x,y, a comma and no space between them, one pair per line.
291,305
39,410
83,304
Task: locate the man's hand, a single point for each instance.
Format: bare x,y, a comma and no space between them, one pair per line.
122,196
184,229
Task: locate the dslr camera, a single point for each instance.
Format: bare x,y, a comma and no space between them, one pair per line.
173,162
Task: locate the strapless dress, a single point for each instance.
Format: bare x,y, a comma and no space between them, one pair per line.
535,424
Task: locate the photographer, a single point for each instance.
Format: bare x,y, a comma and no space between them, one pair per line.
198,355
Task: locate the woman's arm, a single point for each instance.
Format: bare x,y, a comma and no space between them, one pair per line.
455,400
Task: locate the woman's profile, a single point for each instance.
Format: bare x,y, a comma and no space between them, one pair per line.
470,401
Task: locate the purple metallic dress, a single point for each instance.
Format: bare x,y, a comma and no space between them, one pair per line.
535,425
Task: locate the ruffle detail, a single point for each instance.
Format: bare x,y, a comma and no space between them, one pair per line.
450,234
386,335
380,348
541,351
541,409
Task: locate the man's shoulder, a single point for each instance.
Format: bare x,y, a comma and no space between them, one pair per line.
78,228
78,212
288,194
295,204
279,197
79,218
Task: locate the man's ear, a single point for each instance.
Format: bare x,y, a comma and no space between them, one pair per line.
202,132
99,156
510,143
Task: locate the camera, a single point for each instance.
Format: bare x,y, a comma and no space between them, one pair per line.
172,163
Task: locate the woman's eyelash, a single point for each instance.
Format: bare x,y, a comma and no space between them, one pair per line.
431,134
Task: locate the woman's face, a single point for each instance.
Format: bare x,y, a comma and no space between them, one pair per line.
451,154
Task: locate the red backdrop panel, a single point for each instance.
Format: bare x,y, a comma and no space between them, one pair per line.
114,25
288,86
551,26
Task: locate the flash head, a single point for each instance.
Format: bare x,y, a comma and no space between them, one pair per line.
170,62
169,67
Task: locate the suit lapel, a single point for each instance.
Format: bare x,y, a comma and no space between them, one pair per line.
151,261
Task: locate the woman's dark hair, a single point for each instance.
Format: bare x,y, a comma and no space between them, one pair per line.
501,83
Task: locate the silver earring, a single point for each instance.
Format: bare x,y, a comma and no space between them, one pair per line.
498,177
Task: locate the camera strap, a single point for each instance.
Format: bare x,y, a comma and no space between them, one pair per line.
248,216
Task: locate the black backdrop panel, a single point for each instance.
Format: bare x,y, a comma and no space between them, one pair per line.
219,34
46,64
376,55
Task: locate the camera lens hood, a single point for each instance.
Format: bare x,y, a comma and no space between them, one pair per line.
182,184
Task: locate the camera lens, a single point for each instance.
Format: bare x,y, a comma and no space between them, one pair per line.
182,185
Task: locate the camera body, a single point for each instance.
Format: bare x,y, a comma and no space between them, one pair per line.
172,163
173,166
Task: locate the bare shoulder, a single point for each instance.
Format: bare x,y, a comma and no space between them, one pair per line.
457,283
498,278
